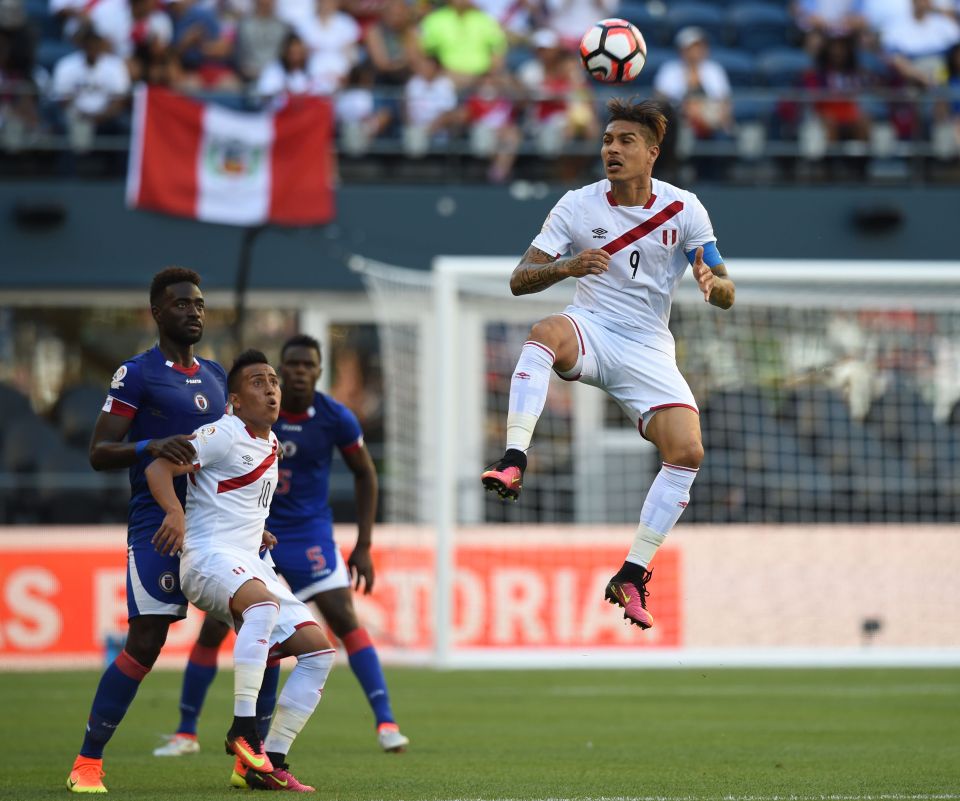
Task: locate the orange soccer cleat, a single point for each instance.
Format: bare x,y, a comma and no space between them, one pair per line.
86,776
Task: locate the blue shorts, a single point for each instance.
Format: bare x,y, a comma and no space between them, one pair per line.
310,564
153,582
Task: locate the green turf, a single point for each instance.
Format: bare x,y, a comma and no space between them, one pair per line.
533,735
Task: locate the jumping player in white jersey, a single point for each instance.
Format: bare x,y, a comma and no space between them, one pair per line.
632,237
232,480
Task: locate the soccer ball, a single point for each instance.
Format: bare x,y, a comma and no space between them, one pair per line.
613,51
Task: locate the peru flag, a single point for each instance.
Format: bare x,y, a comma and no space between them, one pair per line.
213,164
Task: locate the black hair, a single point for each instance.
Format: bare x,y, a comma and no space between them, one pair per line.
646,113
300,341
245,359
168,277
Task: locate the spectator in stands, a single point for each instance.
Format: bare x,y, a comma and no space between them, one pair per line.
839,75
467,41
490,113
19,110
296,13
365,12
360,117
698,86
560,108
516,17
149,36
571,18
430,106
260,37
331,36
820,19
92,87
879,14
918,44
202,47
953,84
289,74
392,44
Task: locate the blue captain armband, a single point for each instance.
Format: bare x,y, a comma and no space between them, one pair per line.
141,447
711,256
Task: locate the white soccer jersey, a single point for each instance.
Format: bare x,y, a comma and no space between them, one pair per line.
228,498
647,245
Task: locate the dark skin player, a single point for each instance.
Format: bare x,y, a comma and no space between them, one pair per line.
179,314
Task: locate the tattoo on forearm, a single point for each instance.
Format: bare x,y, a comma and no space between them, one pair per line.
723,291
537,271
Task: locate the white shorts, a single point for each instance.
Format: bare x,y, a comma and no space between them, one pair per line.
641,379
211,579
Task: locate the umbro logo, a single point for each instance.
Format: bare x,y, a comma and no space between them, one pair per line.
523,375
247,459
600,233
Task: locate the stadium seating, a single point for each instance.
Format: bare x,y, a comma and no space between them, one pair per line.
13,403
703,15
759,26
76,413
782,67
24,442
740,65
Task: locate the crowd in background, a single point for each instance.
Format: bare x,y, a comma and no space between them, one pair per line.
493,73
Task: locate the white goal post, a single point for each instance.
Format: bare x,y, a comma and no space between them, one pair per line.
873,348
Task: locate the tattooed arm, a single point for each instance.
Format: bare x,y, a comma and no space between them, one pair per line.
538,270
717,288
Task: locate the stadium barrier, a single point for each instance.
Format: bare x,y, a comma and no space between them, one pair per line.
531,596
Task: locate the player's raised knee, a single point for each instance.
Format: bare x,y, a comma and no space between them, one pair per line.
688,453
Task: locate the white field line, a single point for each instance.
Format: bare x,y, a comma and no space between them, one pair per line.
824,797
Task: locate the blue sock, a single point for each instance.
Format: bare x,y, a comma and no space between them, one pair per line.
118,686
365,665
200,672
267,699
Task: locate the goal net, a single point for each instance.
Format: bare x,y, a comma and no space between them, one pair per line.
830,409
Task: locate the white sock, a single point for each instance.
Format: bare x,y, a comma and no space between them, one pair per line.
250,656
299,698
528,393
668,497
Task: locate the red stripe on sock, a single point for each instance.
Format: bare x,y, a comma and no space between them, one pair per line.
204,655
130,667
356,640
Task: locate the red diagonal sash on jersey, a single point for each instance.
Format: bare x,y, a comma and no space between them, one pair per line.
241,481
645,228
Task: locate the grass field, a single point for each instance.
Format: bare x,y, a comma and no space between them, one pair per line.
686,734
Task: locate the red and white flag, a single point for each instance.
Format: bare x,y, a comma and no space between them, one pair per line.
213,164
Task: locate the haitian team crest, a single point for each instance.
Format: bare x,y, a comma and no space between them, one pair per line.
201,402
117,381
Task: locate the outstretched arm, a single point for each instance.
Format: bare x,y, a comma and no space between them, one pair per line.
717,288
160,475
109,449
538,270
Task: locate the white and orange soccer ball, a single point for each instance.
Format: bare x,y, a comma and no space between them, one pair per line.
613,51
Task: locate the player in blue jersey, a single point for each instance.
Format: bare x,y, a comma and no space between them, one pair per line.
155,400
310,427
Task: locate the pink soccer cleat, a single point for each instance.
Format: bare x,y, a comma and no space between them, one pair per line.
628,589
279,779
506,477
